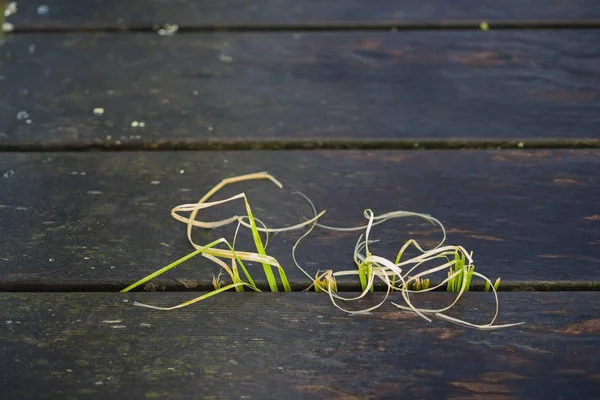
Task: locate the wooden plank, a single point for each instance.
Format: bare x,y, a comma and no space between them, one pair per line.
114,13
73,221
218,88
293,346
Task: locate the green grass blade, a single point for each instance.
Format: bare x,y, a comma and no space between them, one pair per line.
497,284
451,282
469,276
369,272
284,279
260,248
170,266
242,266
460,266
362,275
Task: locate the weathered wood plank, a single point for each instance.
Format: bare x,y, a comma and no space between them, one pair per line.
115,13
293,346
102,220
213,88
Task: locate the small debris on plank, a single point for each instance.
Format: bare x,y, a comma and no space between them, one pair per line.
11,8
168,30
22,115
43,9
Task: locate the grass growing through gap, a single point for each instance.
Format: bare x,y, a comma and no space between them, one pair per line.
402,275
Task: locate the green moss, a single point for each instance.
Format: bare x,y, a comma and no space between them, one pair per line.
123,348
210,371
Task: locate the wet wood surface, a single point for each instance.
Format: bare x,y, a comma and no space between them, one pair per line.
383,78
101,221
216,88
295,346
68,14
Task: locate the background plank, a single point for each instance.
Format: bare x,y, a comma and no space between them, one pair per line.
293,346
213,88
528,216
71,14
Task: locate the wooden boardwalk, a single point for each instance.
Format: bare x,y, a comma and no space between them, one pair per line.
483,114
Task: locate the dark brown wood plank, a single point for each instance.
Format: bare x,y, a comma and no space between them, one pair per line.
115,13
293,346
218,88
72,221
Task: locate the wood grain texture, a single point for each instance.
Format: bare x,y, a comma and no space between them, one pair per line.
76,221
503,85
295,346
115,13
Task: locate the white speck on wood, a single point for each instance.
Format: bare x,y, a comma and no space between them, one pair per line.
43,9
168,30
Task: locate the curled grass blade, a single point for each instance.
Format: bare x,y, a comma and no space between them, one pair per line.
399,275
195,300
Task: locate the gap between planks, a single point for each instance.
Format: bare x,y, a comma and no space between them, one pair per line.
328,26
312,144
173,286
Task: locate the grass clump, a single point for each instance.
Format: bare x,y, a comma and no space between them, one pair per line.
404,275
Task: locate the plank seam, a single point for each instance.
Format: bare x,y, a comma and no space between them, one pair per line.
313,144
169,286
325,26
